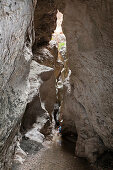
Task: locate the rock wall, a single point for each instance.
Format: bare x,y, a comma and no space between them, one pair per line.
16,32
88,101
44,21
48,56
16,40
41,98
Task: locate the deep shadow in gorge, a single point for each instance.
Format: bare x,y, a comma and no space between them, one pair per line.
29,69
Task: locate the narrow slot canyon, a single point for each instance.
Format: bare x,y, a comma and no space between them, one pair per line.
56,85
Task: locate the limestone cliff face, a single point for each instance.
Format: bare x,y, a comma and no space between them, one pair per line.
89,101
16,33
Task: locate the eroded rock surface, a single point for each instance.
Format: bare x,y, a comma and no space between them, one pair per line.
42,96
37,116
48,56
44,21
89,104
88,100
16,40
16,33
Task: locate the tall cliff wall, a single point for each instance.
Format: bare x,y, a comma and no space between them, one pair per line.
17,35
88,100
16,32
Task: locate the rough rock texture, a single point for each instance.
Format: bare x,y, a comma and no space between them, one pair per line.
47,89
44,21
42,96
88,99
89,102
43,56
20,155
37,116
16,33
48,56
88,142
16,40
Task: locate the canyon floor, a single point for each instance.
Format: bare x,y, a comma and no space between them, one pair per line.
57,154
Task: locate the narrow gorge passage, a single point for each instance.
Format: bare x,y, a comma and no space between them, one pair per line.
54,152
56,85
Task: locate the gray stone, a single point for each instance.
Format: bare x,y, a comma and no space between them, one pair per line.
41,98
15,57
89,103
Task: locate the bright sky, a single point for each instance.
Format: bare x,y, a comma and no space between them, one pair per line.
59,22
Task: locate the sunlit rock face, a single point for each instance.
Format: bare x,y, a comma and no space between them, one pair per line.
89,103
16,31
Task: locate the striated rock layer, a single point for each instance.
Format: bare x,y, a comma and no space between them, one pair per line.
88,100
